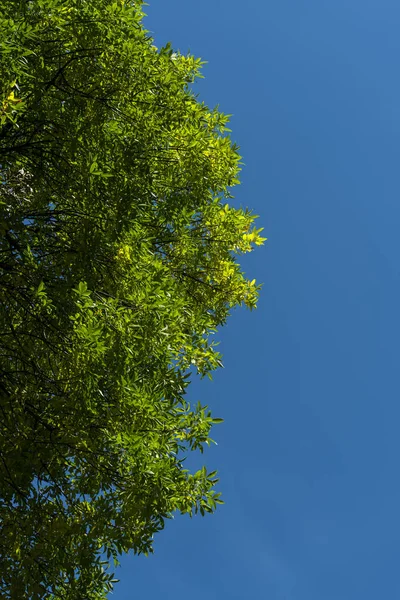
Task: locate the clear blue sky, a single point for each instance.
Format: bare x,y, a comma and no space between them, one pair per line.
309,454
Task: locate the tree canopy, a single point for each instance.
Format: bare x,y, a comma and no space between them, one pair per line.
118,261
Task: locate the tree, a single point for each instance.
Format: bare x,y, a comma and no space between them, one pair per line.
118,261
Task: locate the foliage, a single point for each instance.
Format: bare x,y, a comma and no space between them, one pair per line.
117,263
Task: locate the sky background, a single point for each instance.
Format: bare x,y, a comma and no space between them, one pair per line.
309,454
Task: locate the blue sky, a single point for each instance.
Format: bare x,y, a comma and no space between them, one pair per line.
309,454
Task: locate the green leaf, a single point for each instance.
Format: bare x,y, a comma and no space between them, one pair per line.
120,262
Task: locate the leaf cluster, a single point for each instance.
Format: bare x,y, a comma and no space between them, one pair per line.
118,262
